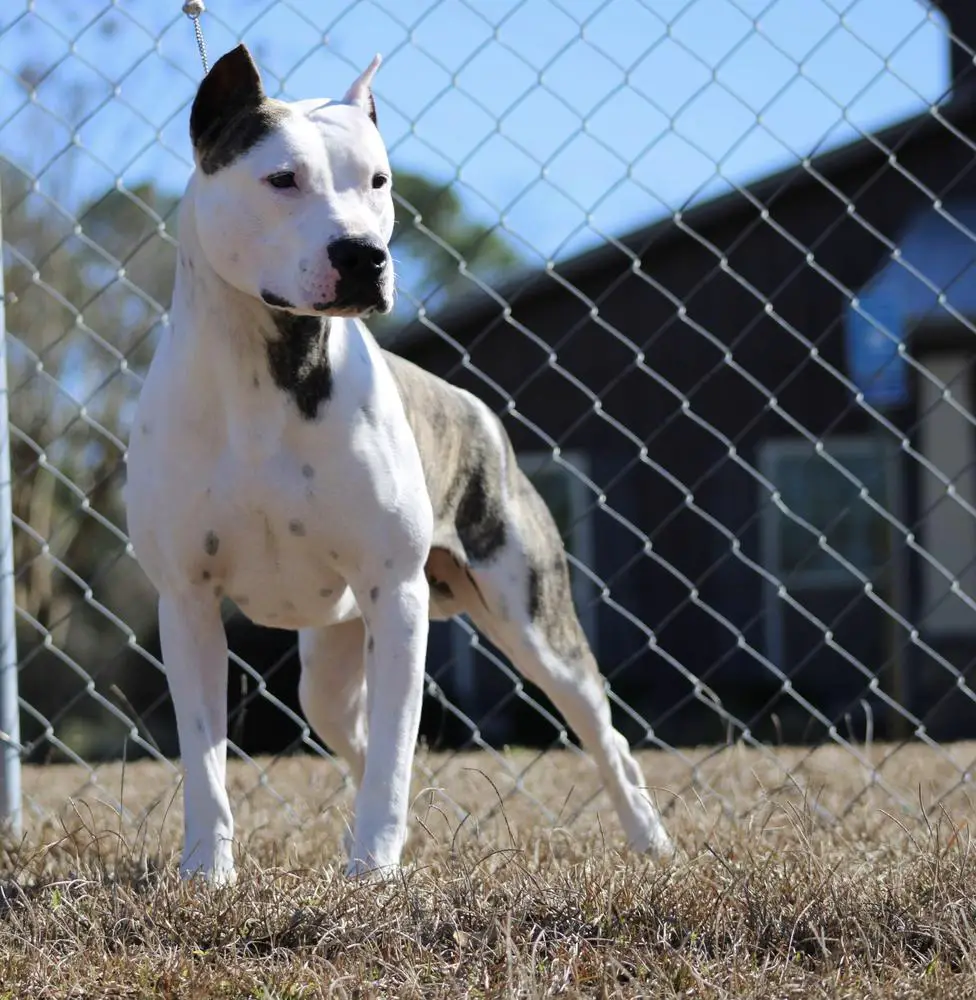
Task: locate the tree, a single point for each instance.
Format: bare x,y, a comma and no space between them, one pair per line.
432,238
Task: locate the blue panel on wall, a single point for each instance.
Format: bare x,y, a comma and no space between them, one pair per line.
872,356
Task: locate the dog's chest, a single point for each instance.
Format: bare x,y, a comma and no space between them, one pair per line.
260,534
234,492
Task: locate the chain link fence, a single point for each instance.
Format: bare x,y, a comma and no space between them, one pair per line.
712,260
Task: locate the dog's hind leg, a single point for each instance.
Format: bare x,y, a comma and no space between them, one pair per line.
332,689
556,656
194,647
525,607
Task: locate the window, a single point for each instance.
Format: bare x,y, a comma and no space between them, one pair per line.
819,493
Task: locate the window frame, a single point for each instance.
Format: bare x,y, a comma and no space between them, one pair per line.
774,451
771,453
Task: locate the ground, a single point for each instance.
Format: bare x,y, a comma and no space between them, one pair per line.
831,884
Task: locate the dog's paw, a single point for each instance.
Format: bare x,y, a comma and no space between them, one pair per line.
362,870
652,839
219,875
658,846
378,874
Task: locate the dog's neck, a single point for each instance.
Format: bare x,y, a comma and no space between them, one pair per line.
242,344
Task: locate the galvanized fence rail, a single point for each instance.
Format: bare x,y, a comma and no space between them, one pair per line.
529,139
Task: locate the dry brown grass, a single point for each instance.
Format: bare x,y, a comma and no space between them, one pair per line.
772,904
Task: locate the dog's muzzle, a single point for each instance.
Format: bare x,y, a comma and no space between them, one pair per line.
362,265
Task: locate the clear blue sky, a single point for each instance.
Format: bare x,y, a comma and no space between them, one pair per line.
569,120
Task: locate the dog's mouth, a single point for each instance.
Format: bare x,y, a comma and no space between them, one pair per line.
346,306
277,302
356,296
352,308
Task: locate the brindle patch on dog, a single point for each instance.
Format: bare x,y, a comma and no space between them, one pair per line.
462,464
550,598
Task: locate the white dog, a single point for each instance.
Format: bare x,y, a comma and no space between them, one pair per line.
281,459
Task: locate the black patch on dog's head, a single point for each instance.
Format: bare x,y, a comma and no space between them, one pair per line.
231,113
299,360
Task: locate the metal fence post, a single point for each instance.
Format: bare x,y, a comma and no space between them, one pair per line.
10,798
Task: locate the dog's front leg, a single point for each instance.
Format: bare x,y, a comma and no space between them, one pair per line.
194,647
396,614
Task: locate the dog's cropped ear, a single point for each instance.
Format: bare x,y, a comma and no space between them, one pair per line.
360,94
232,85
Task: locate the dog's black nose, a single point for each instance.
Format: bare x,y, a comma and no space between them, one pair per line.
357,258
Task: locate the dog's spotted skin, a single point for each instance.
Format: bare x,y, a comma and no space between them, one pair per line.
281,458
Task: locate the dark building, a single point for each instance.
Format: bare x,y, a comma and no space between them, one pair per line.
690,373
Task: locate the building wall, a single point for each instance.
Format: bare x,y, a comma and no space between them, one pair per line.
642,359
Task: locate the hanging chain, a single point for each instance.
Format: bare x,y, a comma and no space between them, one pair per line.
193,9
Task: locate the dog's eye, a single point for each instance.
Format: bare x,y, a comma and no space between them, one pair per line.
282,179
380,181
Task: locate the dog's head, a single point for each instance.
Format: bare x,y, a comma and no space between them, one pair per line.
293,200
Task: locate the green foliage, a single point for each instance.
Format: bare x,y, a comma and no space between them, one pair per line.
432,226
433,239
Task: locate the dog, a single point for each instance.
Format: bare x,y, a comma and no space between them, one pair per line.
281,459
